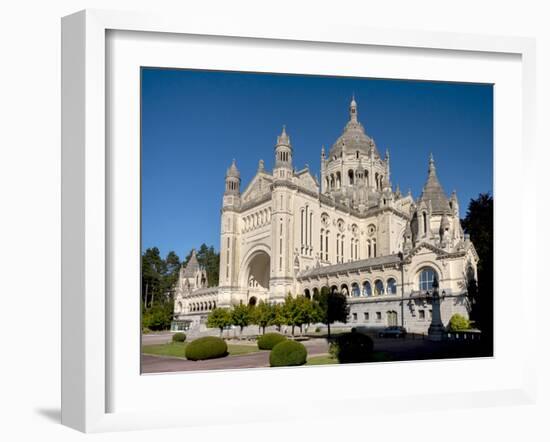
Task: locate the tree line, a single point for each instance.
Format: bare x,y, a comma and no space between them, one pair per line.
478,223
158,280
296,311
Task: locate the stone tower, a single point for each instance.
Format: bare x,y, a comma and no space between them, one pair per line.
229,244
282,277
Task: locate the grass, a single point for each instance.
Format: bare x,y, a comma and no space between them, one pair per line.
177,349
321,360
377,356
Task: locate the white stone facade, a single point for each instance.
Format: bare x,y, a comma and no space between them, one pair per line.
288,233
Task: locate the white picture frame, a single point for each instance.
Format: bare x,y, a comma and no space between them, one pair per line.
86,204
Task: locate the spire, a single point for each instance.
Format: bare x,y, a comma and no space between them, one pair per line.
261,166
233,171
192,265
283,152
433,193
353,110
283,139
323,152
233,179
431,166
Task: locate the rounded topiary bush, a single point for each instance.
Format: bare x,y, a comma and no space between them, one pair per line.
352,347
179,337
458,322
270,340
288,353
208,347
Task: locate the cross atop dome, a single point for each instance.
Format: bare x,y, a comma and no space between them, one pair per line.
353,109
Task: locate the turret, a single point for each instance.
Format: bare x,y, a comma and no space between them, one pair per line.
232,194
283,157
233,180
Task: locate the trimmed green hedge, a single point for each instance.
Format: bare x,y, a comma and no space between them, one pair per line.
270,340
352,347
458,323
208,347
179,337
288,353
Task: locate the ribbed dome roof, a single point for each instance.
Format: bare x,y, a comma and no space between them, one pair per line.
354,137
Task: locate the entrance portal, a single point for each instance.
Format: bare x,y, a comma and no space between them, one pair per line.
257,276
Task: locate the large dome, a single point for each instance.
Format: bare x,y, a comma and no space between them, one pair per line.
353,138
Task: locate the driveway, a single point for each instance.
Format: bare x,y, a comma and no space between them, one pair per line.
165,364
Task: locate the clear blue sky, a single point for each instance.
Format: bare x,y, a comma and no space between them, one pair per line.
195,122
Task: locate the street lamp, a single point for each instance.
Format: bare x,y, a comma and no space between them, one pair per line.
436,330
401,259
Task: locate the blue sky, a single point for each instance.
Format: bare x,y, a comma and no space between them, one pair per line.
195,122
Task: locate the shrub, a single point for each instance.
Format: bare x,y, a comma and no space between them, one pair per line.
179,337
288,353
270,340
352,347
208,347
458,322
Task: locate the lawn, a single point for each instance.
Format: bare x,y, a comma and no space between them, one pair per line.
377,356
321,360
177,349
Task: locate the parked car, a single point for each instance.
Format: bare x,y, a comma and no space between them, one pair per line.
393,331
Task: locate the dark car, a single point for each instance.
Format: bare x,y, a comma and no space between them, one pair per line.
393,331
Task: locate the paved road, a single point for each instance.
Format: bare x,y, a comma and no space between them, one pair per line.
397,349
161,364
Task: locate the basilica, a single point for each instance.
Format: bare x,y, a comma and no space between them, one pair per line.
350,231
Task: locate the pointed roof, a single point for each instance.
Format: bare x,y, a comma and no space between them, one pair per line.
192,266
433,191
283,139
233,171
354,137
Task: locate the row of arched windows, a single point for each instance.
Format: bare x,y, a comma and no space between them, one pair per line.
258,219
201,306
426,277
377,289
334,180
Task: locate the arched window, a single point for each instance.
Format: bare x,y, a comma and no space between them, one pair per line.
426,279
392,286
378,287
355,289
367,289
350,177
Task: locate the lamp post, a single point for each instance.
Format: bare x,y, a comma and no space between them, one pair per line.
402,258
436,330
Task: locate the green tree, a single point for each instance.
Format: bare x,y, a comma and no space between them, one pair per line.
241,316
478,223
332,307
219,318
278,318
153,269
263,315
